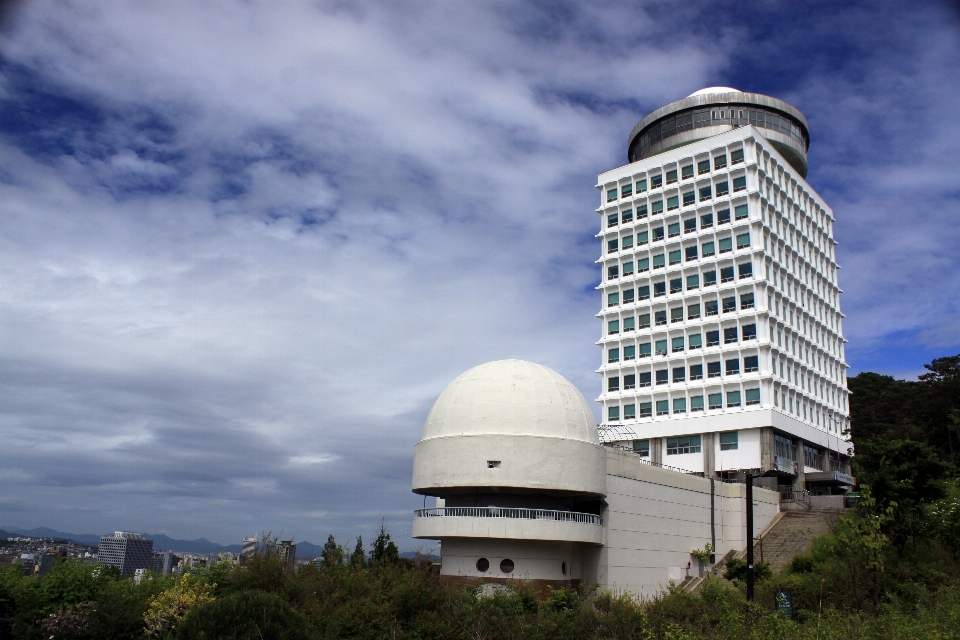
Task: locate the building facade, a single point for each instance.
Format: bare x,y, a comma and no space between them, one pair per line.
721,340
126,550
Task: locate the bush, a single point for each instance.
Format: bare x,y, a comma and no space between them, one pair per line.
247,615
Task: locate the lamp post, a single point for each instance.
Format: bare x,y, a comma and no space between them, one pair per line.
749,536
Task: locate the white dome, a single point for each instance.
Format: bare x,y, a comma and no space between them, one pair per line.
712,90
515,398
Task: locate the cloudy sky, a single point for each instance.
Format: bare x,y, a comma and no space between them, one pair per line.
245,245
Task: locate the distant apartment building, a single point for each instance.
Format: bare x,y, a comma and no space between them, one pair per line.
126,550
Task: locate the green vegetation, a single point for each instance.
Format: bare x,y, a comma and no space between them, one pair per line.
889,569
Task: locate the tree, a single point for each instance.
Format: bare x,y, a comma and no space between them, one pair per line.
358,558
384,551
332,553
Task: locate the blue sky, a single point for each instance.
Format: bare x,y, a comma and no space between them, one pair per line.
245,245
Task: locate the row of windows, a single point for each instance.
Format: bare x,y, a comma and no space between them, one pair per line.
709,248
693,342
689,444
707,192
817,416
679,405
689,225
710,308
686,172
642,292
679,374
642,265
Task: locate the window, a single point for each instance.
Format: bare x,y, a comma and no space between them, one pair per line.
740,211
733,398
696,372
696,403
612,245
613,299
715,400
643,265
613,272
729,335
656,207
613,327
783,447
663,407
732,367
680,405
749,332
627,242
671,176
644,353
644,292
626,190
811,457
723,188
690,225
723,217
641,237
613,355
726,244
641,185
629,381
645,410
683,444
656,181
627,296
677,343
736,156
628,268
661,347
703,167
739,184
629,353
676,284
689,198
687,172
746,270
729,304
629,411
642,447
706,221
613,383
663,376
645,377
709,278
728,441
693,311
719,162
746,301
673,202
659,288
673,230
708,249
751,364
695,341
679,373
626,216
641,212
693,282
726,274
710,309
644,321
612,219
691,253
743,240
611,195
613,414
658,234
628,324
705,193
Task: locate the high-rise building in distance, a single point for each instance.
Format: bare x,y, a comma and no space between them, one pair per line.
126,550
721,332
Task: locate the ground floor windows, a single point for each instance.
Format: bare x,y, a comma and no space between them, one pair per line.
683,444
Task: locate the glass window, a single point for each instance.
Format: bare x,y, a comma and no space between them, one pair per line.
656,181
643,264
643,237
626,190
726,244
613,271
719,162
733,367
703,167
746,301
710,309
695,341
751,363
675,257
629,325
643,292
726,275
673,230
611,195
656,207
749,332
627,242
613,326
705,193
728,441
691,253
642,447
723,188
676,284
715,400
628,268
613,413
708,249
723,216
689,198
644,353
743,240
680,404
693,311
683,444
629,381
739,184
659,288
663,376
644,409
671,176
613,383
740,211
733,398
713,369
696,372
693,282
706,221
677,343
729,335
746,270
612,219
658,261
729,304
645,377
690,225
641,185
627,296
679,374
629,411
658,234
612,245
629,353
696,403
736,156
613,355
663,407
626,216
641,212
687,172
661,347
613,299
673,202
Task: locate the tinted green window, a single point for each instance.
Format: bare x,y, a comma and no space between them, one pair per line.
643,237
678,342
611,195
693,282
687,171
657,207
661,347
705,193
613,299
696,403
740,211
753,396
628,324
629,411
708,249
675,257
656,181
629,353
696,341
676,315
627,268
723,188
627,242
673,202
626,190
658,261
703,167
671,176
720,162
641,212
645,413
689,198
693,311
733,398
736,156
613,326
657,234
679,405
612,219
641,185
673,229
726,244
642,447
743,240
645,323
739,184
613,355
645,347
626,216
643,264
683,444
715,400
613,413
627,296
612,245
728,441
663,407
643,292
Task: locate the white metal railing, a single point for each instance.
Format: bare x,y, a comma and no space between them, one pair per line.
509,512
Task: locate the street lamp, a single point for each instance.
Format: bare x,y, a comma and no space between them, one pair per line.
762,474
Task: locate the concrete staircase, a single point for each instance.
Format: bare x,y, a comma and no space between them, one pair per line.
792,534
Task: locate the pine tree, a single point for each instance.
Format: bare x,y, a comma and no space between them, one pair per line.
332,553
384,550
358,558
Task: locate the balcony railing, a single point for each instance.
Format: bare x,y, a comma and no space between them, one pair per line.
509,512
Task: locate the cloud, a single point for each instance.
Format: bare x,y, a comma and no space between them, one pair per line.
246,245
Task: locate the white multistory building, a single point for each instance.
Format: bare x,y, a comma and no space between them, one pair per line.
722,343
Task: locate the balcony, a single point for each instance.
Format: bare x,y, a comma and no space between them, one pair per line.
507,523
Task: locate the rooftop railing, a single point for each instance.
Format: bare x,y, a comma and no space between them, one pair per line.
510,512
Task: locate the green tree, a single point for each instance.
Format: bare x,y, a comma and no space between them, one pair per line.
384,551
332,553
358,558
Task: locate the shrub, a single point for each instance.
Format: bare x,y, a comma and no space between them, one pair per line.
248,615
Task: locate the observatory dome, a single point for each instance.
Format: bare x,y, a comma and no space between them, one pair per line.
511,397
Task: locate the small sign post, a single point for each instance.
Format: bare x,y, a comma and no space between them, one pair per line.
784,600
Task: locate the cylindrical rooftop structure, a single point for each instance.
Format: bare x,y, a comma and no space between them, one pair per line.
715,110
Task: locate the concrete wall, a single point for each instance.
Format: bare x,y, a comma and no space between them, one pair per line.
538,560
